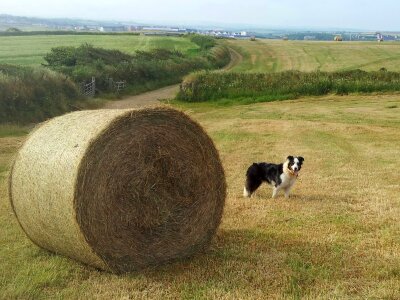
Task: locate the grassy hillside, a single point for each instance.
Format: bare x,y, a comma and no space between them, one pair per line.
30,50
275,56
337,238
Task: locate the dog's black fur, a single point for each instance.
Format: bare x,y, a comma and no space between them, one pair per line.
280,176
258,173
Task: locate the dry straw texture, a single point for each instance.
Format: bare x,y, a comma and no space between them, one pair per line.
119,189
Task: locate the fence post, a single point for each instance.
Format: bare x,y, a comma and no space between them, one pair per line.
93,91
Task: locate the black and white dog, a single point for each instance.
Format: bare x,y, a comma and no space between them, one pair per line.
280,176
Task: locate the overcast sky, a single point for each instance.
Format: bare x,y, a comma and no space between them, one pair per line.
357,14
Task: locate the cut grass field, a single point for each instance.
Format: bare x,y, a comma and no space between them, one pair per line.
276,56
336,238
29,50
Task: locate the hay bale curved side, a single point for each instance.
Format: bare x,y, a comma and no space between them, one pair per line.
119,189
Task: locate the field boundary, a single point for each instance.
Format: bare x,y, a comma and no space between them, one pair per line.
168,92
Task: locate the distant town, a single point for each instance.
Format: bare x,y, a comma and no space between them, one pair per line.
10,25
159,30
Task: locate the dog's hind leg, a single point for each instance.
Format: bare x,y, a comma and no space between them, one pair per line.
250,187
246,193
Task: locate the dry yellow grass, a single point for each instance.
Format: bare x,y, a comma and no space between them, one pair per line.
336,238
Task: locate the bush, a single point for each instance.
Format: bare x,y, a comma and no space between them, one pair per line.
158,54
144,68
203,41
13,29
84,55
32,95
35,94
205,86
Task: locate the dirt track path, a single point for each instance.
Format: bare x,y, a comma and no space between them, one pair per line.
153,97
145,99
236,58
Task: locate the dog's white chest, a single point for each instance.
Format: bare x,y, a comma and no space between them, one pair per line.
287,181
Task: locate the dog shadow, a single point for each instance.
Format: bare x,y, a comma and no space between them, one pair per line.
264,195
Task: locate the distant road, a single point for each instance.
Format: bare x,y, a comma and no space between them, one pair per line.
154,97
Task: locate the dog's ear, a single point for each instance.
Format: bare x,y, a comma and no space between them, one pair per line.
290,157
301,159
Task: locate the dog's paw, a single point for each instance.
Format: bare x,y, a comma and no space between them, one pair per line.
246,193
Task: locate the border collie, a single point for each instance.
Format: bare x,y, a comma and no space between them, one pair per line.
280,176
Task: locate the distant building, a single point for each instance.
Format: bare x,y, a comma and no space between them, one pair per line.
114,28
161,29
90,28
310,37
134,28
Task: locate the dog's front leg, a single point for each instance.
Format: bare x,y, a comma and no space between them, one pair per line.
287,192
275,192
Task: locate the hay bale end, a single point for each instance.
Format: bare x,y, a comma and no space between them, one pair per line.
119,190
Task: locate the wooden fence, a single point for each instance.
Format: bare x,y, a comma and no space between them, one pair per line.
116,85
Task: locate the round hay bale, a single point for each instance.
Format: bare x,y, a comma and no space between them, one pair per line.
119,189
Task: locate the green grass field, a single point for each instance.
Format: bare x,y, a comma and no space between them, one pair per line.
29,50
275,56
336,238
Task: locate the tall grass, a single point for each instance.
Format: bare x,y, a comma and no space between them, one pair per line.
205,86
34,94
